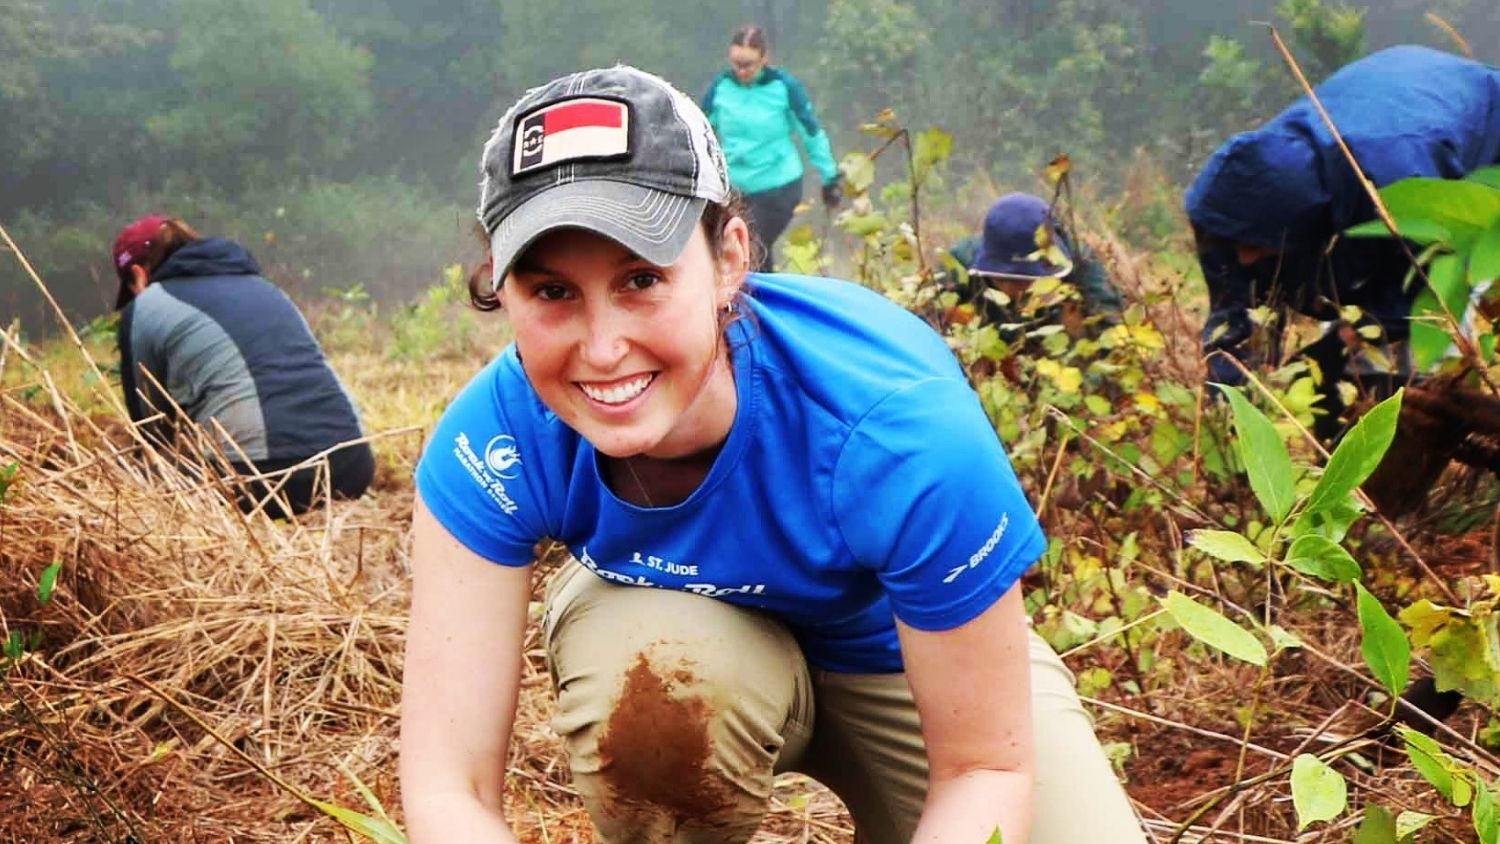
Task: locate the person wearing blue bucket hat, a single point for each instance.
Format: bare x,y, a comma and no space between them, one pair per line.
1023,242
1268,208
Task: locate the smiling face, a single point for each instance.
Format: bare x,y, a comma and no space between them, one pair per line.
629,354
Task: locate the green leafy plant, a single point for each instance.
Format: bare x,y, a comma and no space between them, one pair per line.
887,224
437,324
349,320
8,475
1309,511
1306,523
1456,224
19,643
1319,793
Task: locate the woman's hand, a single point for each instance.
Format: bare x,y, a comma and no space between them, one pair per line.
458,701
833,194
972,686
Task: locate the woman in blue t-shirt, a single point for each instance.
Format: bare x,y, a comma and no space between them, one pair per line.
795,539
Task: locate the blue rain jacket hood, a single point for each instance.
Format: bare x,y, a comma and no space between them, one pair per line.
1404,111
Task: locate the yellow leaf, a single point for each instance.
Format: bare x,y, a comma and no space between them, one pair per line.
858,171
801,235
1051,253
1424,618
1262,315
883,126
996,296
1147,337
1069,379
379,830
1148,403
1057,169
1043,287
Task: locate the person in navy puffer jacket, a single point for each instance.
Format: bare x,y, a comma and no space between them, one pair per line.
204,339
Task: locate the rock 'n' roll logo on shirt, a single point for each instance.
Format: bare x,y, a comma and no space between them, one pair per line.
502,456
633,576
570,130
492,470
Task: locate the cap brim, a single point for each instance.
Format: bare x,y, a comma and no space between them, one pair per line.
653,224
1028,271
123,294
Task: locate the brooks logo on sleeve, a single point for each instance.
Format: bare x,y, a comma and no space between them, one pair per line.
984,550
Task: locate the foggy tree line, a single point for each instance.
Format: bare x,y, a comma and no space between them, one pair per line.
338,138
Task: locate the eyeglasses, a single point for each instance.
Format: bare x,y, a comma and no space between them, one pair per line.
746,65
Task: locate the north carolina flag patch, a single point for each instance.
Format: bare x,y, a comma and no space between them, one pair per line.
583,127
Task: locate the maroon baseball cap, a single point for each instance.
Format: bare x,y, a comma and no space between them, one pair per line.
130,248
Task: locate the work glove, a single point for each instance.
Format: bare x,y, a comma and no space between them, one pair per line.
833,194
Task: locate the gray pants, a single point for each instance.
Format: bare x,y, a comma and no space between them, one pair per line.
678,710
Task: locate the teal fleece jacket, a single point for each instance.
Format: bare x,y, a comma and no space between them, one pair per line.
755,124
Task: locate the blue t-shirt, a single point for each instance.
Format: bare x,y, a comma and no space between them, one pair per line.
860,482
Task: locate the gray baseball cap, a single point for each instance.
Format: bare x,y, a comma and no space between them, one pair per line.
615,150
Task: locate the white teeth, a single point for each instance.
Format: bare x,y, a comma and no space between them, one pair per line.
619,393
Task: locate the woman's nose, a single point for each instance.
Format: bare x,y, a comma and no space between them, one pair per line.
604,342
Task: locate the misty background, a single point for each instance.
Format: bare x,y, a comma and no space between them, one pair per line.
339,139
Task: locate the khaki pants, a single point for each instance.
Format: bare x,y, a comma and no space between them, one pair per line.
678,710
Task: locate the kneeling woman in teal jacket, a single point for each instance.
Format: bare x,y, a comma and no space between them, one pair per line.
755,109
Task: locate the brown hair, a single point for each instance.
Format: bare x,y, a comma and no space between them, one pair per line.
716,215
752,36
172,236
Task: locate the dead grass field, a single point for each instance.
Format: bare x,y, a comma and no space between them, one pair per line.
201,675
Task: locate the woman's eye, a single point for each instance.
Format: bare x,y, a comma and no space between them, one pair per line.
551,292
642,280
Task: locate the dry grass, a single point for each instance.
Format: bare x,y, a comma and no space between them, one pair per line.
189,649
184,636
